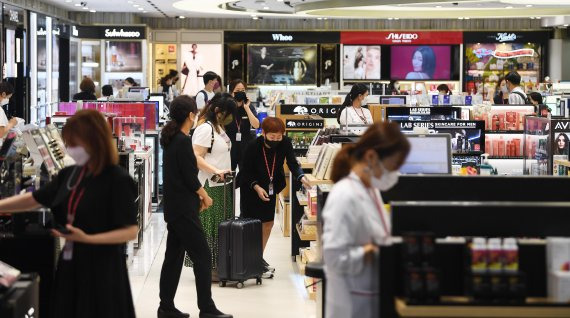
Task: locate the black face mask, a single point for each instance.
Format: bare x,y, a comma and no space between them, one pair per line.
240,96
272,143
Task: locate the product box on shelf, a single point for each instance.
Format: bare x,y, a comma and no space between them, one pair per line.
559,286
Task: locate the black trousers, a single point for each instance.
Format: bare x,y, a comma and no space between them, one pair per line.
186,234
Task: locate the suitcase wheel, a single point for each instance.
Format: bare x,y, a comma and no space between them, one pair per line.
222,284
239,285
258,281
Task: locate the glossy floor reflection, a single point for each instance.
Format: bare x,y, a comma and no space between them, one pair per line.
283,296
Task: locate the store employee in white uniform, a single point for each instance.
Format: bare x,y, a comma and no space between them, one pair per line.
6,91
355,222
352,111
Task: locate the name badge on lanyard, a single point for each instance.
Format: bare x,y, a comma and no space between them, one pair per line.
238,136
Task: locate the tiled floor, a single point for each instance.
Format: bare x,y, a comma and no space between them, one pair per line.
283,296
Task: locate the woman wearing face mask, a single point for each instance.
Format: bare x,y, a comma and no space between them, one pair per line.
263,178
355,222
96,199
501,93
6,91
184,198
352,112
212,148
239,130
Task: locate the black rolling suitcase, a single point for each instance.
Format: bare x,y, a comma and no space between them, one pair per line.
240,252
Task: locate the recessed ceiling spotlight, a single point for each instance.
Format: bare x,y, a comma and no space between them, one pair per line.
566,25
182,17
467,18
390,18
85,8
325,18
145,11
141,9
438,7
532,18
529,5
537,18
319,18
129,2
265,8
508,7
92,11
279,0
396,18
68,1
460,18
254,15
78,4
255,18
135,5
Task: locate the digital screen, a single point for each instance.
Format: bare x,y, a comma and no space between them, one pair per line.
361,62
282,64
420,62
429,154
393,100
123,56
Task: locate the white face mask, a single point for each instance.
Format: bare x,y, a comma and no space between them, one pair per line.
388,180
79,155
5,101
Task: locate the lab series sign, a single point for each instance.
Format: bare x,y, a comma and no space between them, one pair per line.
110,32
304,123
325,111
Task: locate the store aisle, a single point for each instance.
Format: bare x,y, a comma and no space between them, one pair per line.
283,296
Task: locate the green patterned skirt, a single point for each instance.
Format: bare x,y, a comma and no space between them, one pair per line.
213,216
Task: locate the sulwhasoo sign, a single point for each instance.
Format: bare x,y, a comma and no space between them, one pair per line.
282,38
506,37
121,33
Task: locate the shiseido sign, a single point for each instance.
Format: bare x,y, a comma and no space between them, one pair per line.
506,37
282,38
402,37
325,111
111,32
306,123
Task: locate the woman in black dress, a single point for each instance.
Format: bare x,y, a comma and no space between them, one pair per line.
239,130
96,199
263,177
184,198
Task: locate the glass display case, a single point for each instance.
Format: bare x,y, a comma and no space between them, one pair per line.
91,61
73,67
537,150
130,131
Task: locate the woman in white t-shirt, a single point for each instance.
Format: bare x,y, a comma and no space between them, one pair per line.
212,147
6,91
352,111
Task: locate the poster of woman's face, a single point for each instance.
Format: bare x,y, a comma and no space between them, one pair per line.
361,62
561,145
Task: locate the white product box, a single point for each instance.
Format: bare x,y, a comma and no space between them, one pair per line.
557,253
559,286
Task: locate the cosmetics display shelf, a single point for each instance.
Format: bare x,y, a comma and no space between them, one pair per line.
304,236
310,217
302,197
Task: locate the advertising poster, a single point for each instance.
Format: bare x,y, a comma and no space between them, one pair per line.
467,137
487,63
123,56
361,62
560,145
198,59
282,64
165,59
423,62
329,64
234,61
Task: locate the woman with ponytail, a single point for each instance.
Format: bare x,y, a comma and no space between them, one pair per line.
352,112
184,198
355,222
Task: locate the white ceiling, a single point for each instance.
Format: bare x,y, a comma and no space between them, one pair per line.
373,9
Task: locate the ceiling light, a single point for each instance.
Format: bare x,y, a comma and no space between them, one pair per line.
325,18
529,5
78,4
532,18
319,18
508,7
537,18
140,9
129,2
566,25
467,18
135,5
68,1
85,8
182,17
254,15
145,11
390,18
438,7
255,18
279,0
396,18
460,18
265,8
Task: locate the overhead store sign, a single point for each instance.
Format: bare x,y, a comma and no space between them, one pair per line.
404,37
304,123
111,32
325,111
482,52
277,37
507,37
